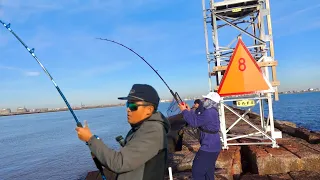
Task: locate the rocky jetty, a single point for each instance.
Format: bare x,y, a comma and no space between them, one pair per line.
297,158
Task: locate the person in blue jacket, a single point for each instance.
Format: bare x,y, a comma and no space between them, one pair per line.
208,123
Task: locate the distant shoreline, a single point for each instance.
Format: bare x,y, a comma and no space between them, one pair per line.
113,105
298,92
62,109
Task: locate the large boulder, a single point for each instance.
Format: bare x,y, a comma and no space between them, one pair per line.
311,137
174,136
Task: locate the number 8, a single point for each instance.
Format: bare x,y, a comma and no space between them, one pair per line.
242,64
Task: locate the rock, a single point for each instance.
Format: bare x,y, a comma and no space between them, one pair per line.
253,115
280,177
241,127
189,141
189,134
230,161
225,159
305,134
266,160
187,161
293,155
174,136
314,138
310,158
305,175
266,177
188,176
287,123
181,176
174,141
253,177
302,133
236,164
176,122
297,158
286,129
315,147
174,159
193,145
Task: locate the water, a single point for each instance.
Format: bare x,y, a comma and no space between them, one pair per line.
302,109
46,146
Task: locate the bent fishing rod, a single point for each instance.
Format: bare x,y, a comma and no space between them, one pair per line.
31,51
175,95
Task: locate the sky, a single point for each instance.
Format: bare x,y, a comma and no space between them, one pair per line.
168,34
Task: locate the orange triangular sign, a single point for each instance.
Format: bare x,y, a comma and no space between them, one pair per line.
243,75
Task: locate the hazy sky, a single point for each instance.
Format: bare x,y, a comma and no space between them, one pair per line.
169,34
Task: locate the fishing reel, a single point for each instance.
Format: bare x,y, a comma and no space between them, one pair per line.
120,140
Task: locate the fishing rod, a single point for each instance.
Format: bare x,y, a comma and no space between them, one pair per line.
31,51
175,95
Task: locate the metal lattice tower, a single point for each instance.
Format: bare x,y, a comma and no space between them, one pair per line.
250,20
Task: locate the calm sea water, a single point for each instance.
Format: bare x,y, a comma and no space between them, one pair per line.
302,109
46,146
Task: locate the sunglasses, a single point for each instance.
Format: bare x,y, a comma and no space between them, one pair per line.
133,106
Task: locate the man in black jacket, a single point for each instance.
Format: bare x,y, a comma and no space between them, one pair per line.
144,154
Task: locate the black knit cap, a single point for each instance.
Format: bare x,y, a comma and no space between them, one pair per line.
198,101
143,92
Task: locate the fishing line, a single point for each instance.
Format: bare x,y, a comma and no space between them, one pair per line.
175,95
31,51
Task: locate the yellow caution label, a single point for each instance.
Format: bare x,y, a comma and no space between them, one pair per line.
244,103
236,9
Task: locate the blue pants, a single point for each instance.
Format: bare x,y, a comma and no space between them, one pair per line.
204,165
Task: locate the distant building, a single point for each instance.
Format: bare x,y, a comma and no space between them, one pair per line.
33,110
20,109
40,110
5,111
44,109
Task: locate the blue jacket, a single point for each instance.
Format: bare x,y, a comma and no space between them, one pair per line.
209,120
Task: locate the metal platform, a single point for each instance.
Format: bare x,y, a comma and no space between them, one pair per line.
250,20
235,8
